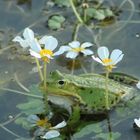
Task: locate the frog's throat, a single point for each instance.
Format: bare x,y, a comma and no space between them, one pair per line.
61,92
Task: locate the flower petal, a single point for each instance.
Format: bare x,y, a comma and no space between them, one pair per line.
28,34
103,52
35,46
49,41
62,50
97,59
137,122
119,59
51,134
115,54
33,118
72,55
138,85
35,54
74,44
86,44
60,125
87,52
22,42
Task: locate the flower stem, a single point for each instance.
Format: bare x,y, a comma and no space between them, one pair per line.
39,69
45,92
45,75
85,15
106,92
75,11
73,66
76,30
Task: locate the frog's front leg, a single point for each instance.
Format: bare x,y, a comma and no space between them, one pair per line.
74,116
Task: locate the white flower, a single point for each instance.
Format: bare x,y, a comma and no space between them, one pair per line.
106,60
28,35
53,132
137,122
60,125
45,53
36,121
138,85
74,48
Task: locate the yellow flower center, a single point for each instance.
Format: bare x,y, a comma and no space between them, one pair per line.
45,52
42,122
107,60
79,49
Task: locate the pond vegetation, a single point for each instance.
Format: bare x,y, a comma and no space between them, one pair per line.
83,89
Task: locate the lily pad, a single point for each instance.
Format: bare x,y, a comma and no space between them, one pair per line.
56,22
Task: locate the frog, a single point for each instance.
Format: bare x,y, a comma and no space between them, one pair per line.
88,91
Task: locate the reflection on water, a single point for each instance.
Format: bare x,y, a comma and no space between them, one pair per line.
16,15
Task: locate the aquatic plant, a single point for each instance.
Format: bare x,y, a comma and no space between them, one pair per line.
44,128
137,122
109,62
94,15
28,36
74,48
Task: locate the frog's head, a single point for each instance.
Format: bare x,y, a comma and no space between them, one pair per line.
57,82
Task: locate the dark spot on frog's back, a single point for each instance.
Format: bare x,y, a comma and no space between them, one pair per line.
112,102
116,98
82,88
90,92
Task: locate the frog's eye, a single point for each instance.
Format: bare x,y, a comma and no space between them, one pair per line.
61,82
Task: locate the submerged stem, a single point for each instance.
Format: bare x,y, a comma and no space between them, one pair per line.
39,69
9,131
75,12
106,92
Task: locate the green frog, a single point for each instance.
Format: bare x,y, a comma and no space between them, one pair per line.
88,91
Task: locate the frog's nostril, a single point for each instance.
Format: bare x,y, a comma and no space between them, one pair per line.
61,82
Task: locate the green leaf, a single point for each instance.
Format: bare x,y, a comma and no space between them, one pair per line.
55,22
88,130
23,139
91,12
99,14
62,3
34,89
32,106
105,136
23,122
108,13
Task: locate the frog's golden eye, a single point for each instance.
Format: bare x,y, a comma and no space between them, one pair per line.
61,82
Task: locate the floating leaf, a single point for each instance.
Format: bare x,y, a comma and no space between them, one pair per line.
99,14
55,22
32,106
88,130
23,139
106,136
34,89
23,122
62,3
